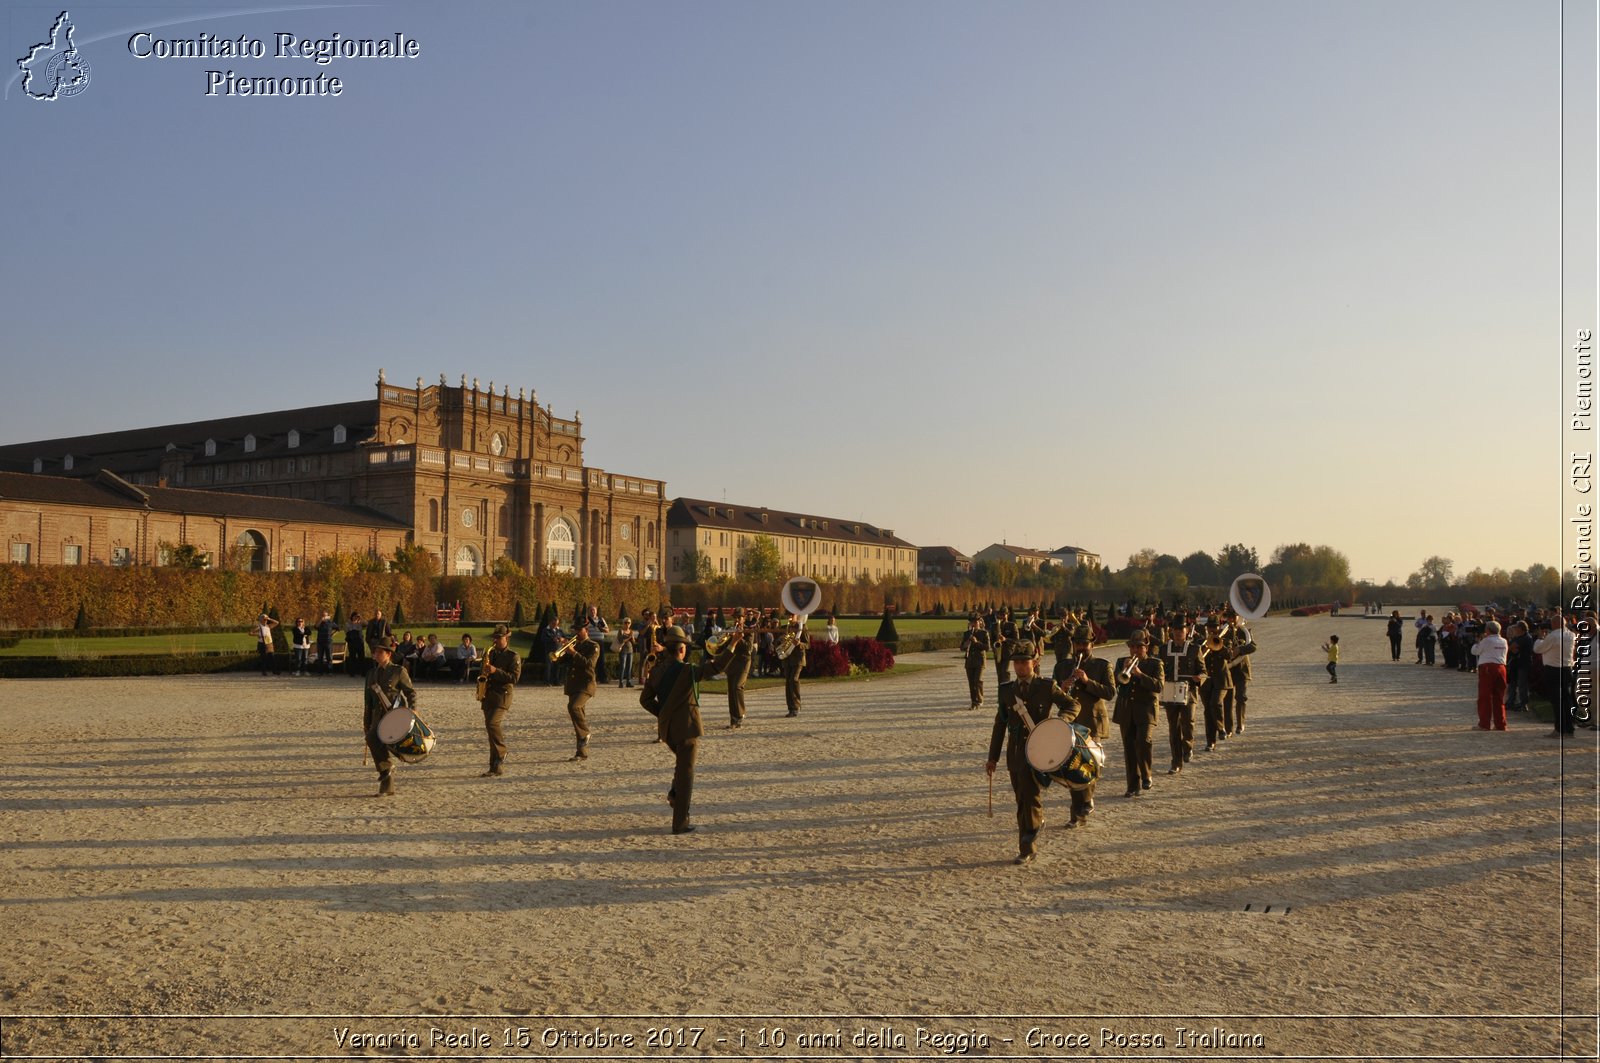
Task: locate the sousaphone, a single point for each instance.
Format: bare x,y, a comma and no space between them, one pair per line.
1250,596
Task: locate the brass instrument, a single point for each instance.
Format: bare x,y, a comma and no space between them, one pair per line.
564,649
483,686
716,643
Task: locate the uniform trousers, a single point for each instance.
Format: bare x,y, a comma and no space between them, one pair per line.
1212,700
975,681
1180,730
576,710
791,688
1233,705
494,722
1492,696
1030,798
736,678
682,782
1137,749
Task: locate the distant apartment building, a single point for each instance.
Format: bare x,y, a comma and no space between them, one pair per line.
1074,556
825,548
1021,556
942,566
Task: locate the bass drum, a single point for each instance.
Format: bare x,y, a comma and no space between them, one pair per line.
405,734
1064,752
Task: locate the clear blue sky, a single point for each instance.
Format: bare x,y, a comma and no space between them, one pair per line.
1166,274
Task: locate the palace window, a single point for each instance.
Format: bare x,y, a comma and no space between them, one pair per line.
294,438
71,554
20,553
249,444
338,433
433,514
121,556
467,562
561,547
211,448
625,567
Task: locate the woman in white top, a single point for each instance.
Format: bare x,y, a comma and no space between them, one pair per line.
1491,653
833,631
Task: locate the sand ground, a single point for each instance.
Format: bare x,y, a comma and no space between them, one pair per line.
197,866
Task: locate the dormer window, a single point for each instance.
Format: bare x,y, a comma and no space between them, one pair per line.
66,462
38,465
171,447
211,448
249,444
294,438
338,433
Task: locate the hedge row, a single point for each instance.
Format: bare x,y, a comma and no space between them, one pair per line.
51,598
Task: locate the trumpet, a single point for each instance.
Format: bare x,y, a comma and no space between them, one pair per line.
564,649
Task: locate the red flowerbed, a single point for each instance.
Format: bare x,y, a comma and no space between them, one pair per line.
825,659
871,654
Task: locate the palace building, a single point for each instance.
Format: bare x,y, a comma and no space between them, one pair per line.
472,474
822,547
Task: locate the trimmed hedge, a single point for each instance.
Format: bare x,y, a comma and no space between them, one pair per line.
147,664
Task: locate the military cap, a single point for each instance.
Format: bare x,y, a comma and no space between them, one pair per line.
1021,650
383,643
1081,633
672,635
1139,638
501,631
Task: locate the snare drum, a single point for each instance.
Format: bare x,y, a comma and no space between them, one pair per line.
405,734
1065,752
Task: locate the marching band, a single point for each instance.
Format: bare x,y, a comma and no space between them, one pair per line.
1203,662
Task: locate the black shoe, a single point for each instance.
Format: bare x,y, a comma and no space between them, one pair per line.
793,713
687,828
1175,769
1024,859
492,771
1131,793
385,785
579,755
1144,784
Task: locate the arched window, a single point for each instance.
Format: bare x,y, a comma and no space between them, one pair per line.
467,562
433,514
66,463
338,433
650,534
294,438
561,547
211,448
249,443
253,551
38,465
624,567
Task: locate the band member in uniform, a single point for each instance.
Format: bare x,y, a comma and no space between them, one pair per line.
649,647
1181,661
793,664
975,646
582,657
1034,695
1218,679
738,672
502,667
1005,633
1090,684
385,678
1240,645
672,694
1139,679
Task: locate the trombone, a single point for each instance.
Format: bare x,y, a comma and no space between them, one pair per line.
717,643
564,649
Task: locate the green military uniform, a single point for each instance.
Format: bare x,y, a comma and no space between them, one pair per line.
383,683
1242,646
976,648
1033,696
738,672
1005,636
579,687
1181,661
1091,693
1138,694
1218,682
793,665
503,671
672,693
